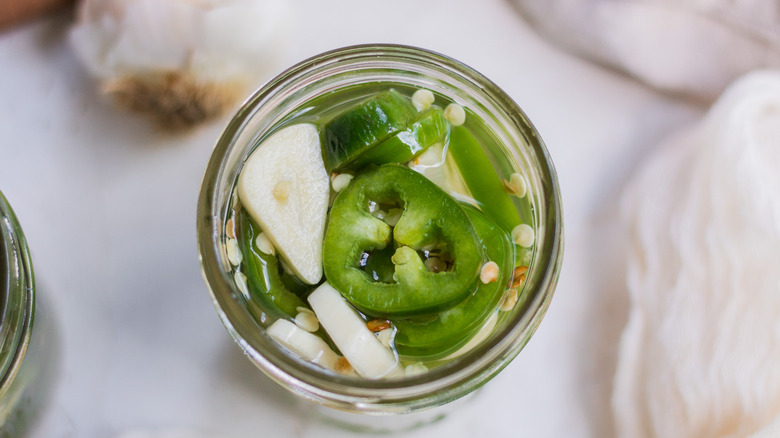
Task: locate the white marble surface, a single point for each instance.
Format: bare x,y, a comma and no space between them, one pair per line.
108,206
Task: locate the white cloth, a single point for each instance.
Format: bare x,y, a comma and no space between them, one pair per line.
689,47
700,356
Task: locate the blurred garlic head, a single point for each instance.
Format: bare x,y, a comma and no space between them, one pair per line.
181,61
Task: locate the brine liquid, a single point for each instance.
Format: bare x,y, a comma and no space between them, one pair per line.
320,110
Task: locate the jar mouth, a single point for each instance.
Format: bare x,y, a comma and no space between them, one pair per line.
262,111
17,295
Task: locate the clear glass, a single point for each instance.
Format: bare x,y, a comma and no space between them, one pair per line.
402,66
26,355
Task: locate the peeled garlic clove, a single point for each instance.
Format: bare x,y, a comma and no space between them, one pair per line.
181,61
284,187
348,331
310,347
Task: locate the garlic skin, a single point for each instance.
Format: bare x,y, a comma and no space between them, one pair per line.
181,61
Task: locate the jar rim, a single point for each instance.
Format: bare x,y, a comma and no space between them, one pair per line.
17,295
409,393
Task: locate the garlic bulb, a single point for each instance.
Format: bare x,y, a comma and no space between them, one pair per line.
181,61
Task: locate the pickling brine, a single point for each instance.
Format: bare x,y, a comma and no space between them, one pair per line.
378,231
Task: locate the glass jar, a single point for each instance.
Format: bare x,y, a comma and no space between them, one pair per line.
26,347
399,66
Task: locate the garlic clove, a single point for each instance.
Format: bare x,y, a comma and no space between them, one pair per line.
284,187
310,347
370,358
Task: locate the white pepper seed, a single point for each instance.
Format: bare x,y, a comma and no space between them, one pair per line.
435,264
233,252
240,280
509,300
264,244
523,235
455,114
339,181
230,228
343,366
422,99
516,185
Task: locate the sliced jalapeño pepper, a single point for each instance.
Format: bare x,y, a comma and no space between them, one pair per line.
262,271
481,178
430,221
428,129
352,133
441,332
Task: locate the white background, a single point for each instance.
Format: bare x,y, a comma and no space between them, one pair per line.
108,206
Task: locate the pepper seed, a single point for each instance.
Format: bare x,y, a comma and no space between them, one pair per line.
489,272
435,264
516,185
455,114
339,181
264,244
240,280
518,276
423,99
523,235
230,228
233,253
509,300
377,325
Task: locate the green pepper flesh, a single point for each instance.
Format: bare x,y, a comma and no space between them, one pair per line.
430,218
481,178
430,128
350,134
262,272
438,333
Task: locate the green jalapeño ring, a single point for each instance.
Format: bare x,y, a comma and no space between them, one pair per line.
433,219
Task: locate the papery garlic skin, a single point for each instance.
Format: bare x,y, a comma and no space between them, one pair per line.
182,61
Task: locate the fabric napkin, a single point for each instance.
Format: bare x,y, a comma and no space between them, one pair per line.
689,47
700,356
